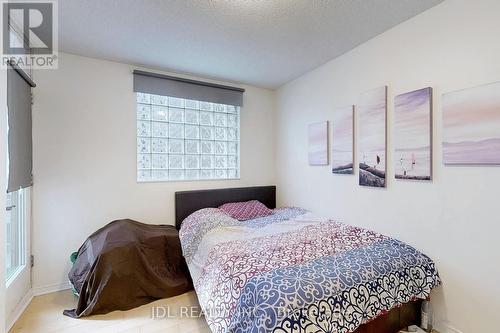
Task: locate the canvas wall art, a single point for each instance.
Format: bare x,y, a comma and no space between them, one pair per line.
343,141
471,126
413,135
372,137
318,143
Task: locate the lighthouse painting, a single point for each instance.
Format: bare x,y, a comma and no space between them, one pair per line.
413,135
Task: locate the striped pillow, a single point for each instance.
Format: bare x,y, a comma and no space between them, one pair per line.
243,211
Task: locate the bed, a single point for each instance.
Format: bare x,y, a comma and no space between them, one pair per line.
296,272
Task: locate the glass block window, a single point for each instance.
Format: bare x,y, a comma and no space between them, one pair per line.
181,139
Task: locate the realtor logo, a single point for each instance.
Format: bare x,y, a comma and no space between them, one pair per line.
29,34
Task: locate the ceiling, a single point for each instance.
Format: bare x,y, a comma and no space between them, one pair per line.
265,43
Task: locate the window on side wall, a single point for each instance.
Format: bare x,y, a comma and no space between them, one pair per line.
184,139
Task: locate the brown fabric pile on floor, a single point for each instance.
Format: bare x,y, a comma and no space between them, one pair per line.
127,264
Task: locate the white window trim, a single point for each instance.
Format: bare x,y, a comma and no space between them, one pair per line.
22,217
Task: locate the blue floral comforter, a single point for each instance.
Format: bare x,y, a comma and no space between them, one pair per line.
294,272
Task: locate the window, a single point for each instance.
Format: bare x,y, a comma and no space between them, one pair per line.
19,175
15,257
182,139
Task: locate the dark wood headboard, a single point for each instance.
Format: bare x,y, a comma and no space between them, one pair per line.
188,202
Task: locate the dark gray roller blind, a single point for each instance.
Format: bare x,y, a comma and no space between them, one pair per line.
19,137
165,85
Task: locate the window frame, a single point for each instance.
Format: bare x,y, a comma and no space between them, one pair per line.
18,231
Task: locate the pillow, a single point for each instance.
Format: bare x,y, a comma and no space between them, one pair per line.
246,210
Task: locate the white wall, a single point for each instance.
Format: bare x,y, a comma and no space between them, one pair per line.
84,132
455,218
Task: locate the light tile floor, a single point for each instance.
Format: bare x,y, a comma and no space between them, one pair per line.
44,315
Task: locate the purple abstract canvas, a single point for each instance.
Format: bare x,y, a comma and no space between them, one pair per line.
372,137
413,135
471,126
343,141
318,143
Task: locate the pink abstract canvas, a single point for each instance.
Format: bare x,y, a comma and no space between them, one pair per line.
413,135
343,141
471,126
318,143
372,137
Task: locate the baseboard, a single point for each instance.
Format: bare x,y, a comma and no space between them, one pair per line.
26,300
446,328
51,288
19,309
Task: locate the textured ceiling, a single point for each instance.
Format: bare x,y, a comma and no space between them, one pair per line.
259,42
